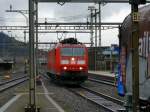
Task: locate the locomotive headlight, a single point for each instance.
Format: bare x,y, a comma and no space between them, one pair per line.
65,68
81,68
80,62
64,62
72,59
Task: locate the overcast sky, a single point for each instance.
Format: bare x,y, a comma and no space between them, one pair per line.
66,13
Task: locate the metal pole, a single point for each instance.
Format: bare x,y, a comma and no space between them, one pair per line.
4,48
95,39
25,57
24,36
32,99
36,51
75,35
99,24
111,64
91,28
95,28
37,63
135,56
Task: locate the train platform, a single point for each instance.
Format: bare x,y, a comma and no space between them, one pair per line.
21,99
102,73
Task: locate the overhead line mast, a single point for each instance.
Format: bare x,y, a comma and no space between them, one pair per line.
99,24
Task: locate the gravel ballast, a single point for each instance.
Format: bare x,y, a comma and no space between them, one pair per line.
103,88
69,101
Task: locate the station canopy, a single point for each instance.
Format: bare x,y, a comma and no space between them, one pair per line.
87,1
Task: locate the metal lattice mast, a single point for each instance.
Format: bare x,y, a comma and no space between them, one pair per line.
91,8
99,24
32,99
37,64
95,28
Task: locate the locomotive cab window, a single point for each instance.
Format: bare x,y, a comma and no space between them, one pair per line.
78,51
72,51
66,51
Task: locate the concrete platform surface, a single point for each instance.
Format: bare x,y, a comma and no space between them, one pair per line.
44,101
103,73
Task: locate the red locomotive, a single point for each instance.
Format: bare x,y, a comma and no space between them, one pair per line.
68,62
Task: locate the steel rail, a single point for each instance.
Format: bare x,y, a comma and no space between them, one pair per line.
95,96
6,85
110,98
98,99
102,81
5,82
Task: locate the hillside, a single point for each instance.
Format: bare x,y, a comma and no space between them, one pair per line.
10,47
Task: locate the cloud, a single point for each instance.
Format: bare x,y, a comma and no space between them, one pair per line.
109,37
108,10
117,16
66,13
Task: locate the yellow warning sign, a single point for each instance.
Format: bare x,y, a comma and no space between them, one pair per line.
135,17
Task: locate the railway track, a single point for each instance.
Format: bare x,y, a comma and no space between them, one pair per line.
8,84
111,83
110,98
106,102
101,77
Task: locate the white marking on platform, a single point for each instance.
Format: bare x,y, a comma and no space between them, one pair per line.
39,93
51,100
10,102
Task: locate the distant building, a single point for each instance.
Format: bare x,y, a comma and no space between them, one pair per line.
104,58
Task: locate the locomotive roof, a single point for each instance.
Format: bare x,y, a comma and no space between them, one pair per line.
70,42
70,45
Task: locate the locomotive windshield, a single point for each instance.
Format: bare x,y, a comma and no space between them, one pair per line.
66,51
72,51
78,51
